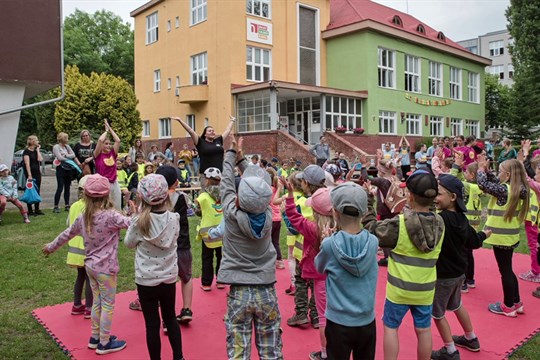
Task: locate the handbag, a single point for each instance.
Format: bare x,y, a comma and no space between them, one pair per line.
31,195
21,179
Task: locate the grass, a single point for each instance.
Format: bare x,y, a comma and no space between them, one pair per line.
29,281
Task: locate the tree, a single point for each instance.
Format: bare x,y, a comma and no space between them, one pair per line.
90,99
498,102
99,42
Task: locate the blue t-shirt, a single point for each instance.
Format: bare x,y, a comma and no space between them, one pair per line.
405,156
421,159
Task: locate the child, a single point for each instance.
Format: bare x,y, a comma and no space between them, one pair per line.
405,156
149,168
122,178
139,159
8,192
421,157
183,174
209,209
415,238
100,227
75,258
105,155
248,263
154,232
451,265
276,216
348,258
507,209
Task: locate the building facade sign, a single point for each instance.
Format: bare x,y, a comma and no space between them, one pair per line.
259,31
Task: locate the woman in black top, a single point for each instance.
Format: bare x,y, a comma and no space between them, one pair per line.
84,151
32,158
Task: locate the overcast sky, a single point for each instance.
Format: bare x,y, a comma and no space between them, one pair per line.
457,19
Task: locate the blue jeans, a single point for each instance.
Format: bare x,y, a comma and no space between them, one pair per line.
196,166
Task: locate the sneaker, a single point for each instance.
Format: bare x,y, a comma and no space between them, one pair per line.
443,354
165,331
135,305
220,286
291,290
314,323
280,265
206,288
66,208
38,213
77,310
56,210
519,308
316,355
464,288
87,313
501,309
471,345
383,262
93,343
297,320
112,346
530,276
185,316
26,220
536,293
30,213
471,284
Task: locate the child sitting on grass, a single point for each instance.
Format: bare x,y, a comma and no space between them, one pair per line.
8,192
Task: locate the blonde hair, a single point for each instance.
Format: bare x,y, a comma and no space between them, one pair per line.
322,222
273,175
144,222
472,169
30,139
62,138
518,179
295,182
83,132
92,206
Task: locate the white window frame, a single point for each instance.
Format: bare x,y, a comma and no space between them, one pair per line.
473,87
496,48
413,79
253,65
510,69
343,112
157,80
456,127
414,124
472,127
164,128
199,66
152,29
435,79
389,72
317,42
177,81
455,83
169,82
146,128
168,25
387,122
497,70
260,2
198,11
177,22
436,126
190,120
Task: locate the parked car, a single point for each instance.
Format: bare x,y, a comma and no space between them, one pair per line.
17,156
48,156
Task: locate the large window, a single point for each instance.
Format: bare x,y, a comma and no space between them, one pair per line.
258,64
308,45
199,69
496,48
497,70
258,8
456,127
386,68
146,128
414,124
455,83
190,120
435,79
343,112
387,122
157,80
254,111
436,126
412,73
164,127
472,127
473,87
510,71
198,11
152,28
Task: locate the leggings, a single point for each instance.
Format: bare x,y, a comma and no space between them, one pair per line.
104,292
276,228
207,264
63,183
532,240
509,280
82,277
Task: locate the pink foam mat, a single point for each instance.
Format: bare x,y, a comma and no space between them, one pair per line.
204,337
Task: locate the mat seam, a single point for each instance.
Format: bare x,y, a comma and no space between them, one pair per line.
519,345
56,340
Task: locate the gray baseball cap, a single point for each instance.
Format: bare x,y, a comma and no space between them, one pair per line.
313,175
349,199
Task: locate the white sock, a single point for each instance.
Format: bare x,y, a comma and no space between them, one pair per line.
323,352
470,335
450,347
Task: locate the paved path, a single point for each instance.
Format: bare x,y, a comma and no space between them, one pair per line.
48,188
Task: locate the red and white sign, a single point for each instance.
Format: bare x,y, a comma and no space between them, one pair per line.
259,31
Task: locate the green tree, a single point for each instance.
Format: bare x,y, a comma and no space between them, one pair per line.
90,99
99,42
498,102
38,121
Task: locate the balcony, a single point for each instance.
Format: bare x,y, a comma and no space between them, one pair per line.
191,94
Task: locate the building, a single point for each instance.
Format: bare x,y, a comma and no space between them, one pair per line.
494,46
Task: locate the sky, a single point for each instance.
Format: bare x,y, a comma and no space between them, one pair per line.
457,19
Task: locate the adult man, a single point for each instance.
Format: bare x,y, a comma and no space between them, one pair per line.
321,151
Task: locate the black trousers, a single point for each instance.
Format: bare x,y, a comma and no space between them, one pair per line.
469,270
63,183
276,228
152,298
342,340
207,275
509,280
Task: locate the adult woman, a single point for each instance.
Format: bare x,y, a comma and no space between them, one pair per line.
32,158
508,153
84,151
169,152
105,156
136,149
63,152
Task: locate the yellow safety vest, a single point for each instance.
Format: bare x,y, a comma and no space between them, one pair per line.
411,272
532,214
504,233
122,179
307,212
212,214
76,253
184,173
284,173
473,205
140,170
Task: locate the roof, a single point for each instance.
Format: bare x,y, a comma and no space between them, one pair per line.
144,7
239,89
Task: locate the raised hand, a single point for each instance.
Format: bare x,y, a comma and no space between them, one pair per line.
458,158
482,162
286,184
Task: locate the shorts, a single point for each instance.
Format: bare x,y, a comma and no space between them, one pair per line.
394,314
184,265
447,296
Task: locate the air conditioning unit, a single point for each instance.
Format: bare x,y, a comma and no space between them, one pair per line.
177,91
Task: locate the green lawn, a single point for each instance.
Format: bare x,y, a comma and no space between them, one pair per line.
29,281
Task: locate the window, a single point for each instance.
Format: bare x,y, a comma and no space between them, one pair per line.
386,68
420,28
455,83
177,84
199,69
496,48
510,71
436,126
497,70
177,22
164,127
344,112
435,79
169,84
412,73
308,46
157,80
146,128
472,127
198,11
473,87
258,8
396,20
456,127
168,25
414,125
258,64
254,111
152,28
441,36
190,120
387,122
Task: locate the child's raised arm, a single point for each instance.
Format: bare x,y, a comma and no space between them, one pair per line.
64,237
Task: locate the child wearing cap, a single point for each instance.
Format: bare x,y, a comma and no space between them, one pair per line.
209,208
154,233
415,239
8,192
248,263
184,177
458,236
100,226
348,258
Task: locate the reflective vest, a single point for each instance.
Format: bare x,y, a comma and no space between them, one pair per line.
504,233
473,205
307,212
140,170
212,214
130,177
291,238
122,179
184,175
76,253
411,272
283,172
532,214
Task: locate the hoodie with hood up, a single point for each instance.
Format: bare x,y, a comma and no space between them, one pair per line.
155,259
349,262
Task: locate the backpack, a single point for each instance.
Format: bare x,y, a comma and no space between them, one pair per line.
21,178
396,197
